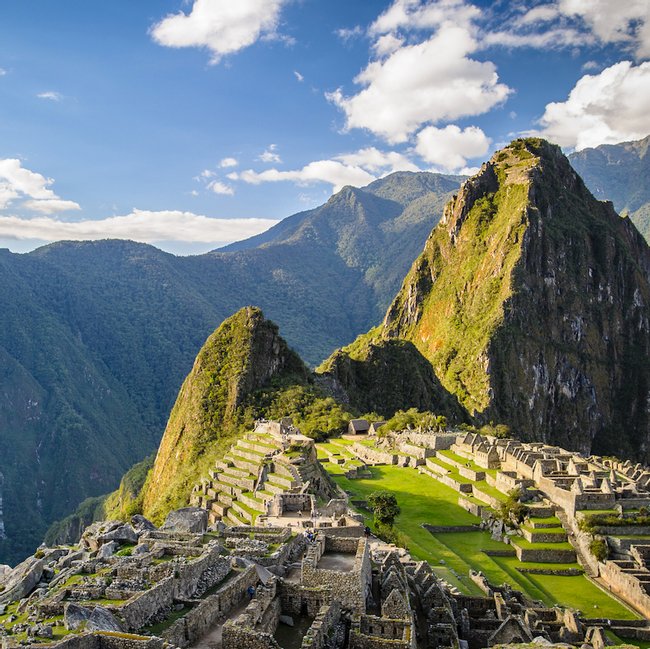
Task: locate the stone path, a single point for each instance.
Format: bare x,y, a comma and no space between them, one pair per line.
212,639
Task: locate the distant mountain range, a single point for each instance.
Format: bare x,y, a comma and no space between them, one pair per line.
96,337
619,173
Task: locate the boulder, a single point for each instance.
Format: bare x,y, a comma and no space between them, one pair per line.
122,534
142,524
21,580
187,519
108,550
92,534
101,619
75,616
69,559
143,548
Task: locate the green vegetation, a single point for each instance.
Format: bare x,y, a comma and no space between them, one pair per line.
452,554
384,507
414,419
599,549
98,336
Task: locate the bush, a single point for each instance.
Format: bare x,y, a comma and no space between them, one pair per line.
599,549
412,419
389,534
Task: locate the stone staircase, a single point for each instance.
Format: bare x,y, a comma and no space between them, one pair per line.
242,484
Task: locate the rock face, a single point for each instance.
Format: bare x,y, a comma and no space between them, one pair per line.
187,519
531,301
243,355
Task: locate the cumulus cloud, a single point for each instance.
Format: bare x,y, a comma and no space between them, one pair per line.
376,161
50,95
610,107
613,21
270,155
18,182
221,26
356,168
334,172
428,82
413,14
224,163
140,225
449,148
221,188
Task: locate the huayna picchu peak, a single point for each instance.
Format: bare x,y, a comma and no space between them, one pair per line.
531,301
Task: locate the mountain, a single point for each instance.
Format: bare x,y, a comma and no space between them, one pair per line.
96,337
619,173
243,355
531,302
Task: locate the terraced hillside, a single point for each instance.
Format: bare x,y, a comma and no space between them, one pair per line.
444,496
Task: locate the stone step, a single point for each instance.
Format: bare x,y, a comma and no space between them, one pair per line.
234,470
220,508
247,484
274,488
233,519
244,464
279,480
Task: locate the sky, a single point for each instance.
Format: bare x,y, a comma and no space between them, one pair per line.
190,124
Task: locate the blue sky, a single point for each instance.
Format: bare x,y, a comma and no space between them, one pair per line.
190,124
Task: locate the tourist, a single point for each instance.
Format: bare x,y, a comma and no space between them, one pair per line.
251,592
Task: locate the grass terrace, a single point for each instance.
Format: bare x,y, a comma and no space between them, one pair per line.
452,554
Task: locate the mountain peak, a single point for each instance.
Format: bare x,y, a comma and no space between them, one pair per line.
244,354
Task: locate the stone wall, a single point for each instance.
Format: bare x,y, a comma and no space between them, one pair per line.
351,587
205,571
211,610
318,634
626,586
372,455
104,640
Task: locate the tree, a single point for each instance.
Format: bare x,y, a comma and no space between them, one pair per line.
512,509
384,507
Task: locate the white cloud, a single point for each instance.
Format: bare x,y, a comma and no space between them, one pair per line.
221,26
18,182
270,155
228,162
51,206
449,148
50,95
610,107
298,76
614,21
387,44
2,72
346,34
221,188
139,225
334,172
376,161
206,174
413,14
423,83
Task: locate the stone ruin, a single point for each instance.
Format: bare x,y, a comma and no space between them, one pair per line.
301,574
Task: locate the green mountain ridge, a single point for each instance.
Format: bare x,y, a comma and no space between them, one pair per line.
96,337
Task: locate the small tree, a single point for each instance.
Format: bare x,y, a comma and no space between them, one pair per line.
512,509
384,507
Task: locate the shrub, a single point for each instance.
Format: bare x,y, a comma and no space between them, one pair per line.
599,549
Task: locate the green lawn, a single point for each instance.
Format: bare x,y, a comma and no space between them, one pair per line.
425,500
